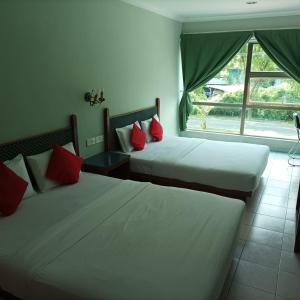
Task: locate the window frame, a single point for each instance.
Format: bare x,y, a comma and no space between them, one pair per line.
247,103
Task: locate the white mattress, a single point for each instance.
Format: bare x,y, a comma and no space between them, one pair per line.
110,239
232,166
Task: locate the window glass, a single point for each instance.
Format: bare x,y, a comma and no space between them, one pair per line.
261,61
215,118
270,123
274,90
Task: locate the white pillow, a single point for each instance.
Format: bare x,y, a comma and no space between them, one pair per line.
17,165
39,164
124,137
146,128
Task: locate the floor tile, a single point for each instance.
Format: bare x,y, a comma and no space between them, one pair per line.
291,214
274,200
292,203
278,184
295,174
289,227
242,292
294,187
290,262
272,211
270,223
266,243
295,178
288,285
265,237
282,164
294,183
280,169
239,248
278,176
277,191
256,276
288,243
293,196
261,254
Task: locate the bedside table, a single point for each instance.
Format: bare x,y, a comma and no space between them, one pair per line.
112,164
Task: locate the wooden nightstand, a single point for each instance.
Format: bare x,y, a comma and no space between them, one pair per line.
112,164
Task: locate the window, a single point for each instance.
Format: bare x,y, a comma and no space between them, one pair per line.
250,96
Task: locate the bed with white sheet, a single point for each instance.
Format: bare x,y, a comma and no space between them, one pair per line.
225,165
225,168
109,239
106,238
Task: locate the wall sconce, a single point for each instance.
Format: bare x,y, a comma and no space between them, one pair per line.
94,97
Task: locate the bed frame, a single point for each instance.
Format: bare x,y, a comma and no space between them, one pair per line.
37,144
112,144
111,141
42,142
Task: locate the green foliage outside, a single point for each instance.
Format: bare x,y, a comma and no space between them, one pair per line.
268,91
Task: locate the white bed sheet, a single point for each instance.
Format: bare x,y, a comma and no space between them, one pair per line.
110,239
227,165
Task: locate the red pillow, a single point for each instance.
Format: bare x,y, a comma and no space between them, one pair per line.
12,190
156,130
137,138
64,167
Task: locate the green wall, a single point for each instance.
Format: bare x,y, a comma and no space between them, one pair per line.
53,51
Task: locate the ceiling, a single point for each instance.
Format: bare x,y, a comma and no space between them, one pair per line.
206,10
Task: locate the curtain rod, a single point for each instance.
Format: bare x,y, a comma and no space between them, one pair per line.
222,31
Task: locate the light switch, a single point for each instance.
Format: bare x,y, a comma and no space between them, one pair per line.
99,139
90,141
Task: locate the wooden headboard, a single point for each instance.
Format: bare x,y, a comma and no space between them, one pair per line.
111,123
43,142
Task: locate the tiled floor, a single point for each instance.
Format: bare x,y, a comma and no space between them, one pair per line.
265,266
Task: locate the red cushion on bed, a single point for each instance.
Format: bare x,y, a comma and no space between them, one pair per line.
156,130
12,190
64,167
137,138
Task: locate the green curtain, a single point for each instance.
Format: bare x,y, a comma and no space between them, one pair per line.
203,57
283,46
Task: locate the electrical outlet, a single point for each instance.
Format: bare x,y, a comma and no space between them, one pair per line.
99,139
90,141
